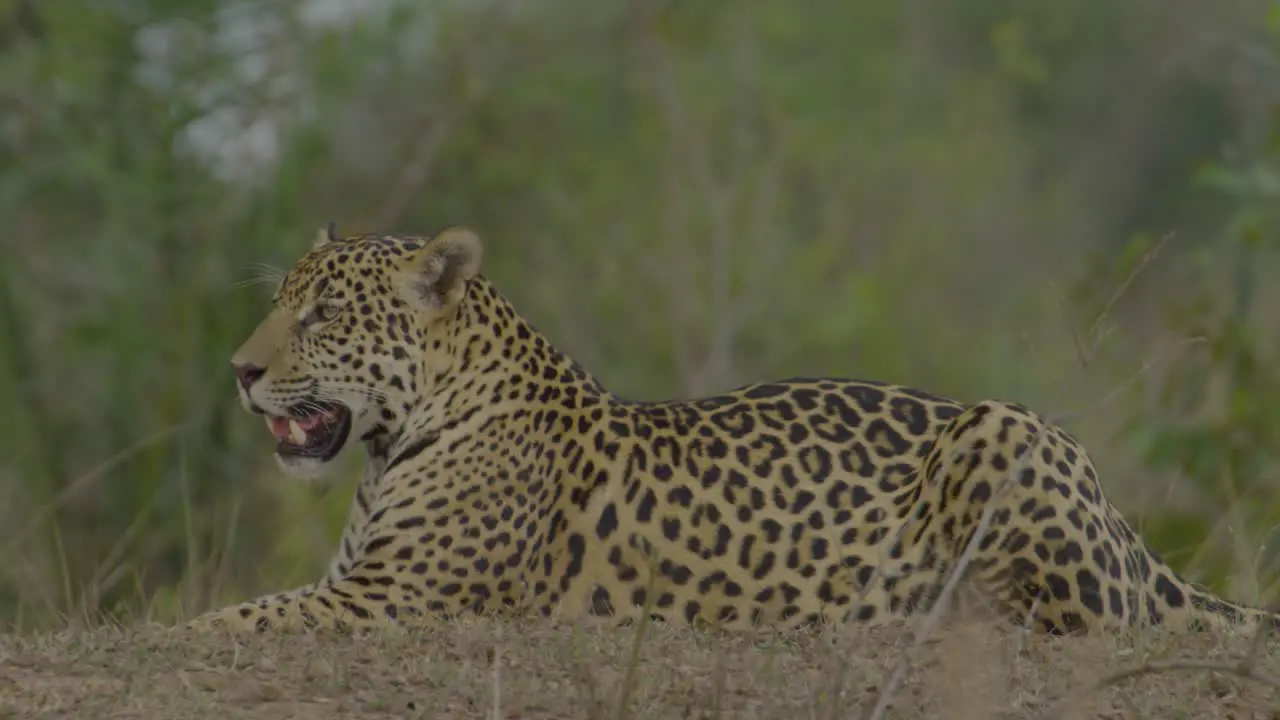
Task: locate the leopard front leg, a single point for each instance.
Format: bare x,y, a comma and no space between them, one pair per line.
326,607
360,600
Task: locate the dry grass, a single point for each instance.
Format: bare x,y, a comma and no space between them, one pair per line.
485,669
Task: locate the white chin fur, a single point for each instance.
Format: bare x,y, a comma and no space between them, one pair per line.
303,468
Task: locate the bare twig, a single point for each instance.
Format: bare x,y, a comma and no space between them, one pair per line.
1245,668
1241,669
623,710
86,480
841,671
688,144
1096,326
877,572
931,620
1025,631
1086,348
417,171
1130,381
497,683
1199,42
1260,634
586,676
722,308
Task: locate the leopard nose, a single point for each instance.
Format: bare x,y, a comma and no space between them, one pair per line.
248,374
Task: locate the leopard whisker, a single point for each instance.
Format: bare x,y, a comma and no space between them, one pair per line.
255,280
331,390
266,270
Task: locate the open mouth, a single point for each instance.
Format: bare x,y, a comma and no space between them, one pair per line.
317,431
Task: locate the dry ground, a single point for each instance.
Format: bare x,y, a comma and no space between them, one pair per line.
547,670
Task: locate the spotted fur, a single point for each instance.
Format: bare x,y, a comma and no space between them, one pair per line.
502,476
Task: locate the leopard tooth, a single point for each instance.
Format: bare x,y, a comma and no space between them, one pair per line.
296,433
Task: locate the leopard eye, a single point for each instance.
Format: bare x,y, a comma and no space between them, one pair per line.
322,312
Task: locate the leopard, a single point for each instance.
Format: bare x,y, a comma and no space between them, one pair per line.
501,478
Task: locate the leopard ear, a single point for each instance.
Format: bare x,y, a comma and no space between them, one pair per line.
325,235
437,275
